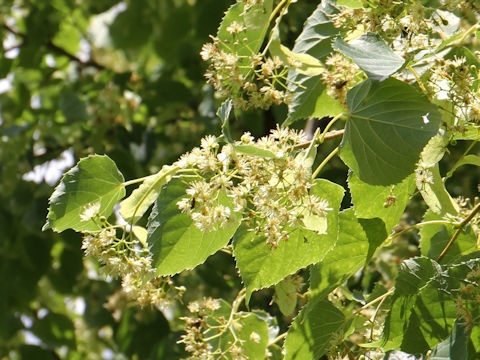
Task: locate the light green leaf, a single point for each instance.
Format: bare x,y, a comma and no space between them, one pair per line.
303,63
68,37
255,20
383,202
177,244
133,207
250,328
434,238
313,331
435,194
390,123
310,98
372,55
455,346
433,152
261,266
347,257
252,331
94,179
353,4
141,234
254,151
223,113
286,295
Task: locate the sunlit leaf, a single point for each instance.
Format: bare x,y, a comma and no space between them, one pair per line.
176,242
133,207
94,179
261,266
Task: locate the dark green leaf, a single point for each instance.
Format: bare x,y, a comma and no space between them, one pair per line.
310,97
55,330
390,123
455,347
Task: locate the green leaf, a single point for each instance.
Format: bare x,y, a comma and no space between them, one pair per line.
250,328
310,98
348,256
455,346
384,202
72,107
434,238
255,19
466,160
311,334
94,179
423,308
254,151
176,242
303,63
223,113
372,55
353,4
133,207
390,123
435,194
286,295
252,331
261,266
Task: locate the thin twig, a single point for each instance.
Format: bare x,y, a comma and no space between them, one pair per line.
57,49
465,221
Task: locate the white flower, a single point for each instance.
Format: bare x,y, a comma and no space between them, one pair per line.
90,211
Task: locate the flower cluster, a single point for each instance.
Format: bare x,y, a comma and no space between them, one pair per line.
454,79
339,76
250,79
195,327
126,258
409,26
267,181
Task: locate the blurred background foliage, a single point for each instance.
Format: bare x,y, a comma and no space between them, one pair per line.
121,78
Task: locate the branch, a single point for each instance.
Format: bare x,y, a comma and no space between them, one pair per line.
57,49
464,223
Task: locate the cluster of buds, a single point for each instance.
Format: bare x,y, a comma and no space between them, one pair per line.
270,191
251,80
125,257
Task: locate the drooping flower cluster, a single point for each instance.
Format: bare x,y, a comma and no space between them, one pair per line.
195,327
266,181
125,257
